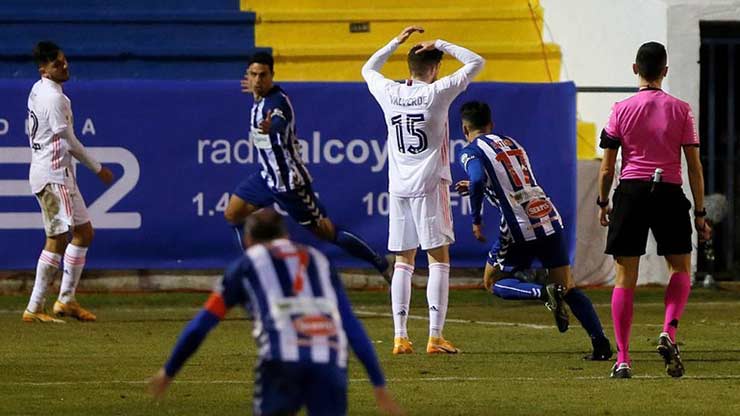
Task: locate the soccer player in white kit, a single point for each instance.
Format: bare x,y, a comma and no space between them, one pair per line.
53,145
416,113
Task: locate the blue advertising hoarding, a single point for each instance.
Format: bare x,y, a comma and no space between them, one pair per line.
179,148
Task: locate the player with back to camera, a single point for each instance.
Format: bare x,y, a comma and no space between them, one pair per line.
52,178
303,324
653,129
531,228
416,116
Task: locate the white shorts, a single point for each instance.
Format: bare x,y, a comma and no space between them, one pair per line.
424,220
62,207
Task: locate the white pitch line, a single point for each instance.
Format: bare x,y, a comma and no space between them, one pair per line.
459,321
390,380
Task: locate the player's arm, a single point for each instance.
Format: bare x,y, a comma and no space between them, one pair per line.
214,310
61,127
472,65
610,141
277,118
690,142
371,69
476,189
363,348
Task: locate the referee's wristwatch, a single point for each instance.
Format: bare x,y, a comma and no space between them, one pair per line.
700,214
602,204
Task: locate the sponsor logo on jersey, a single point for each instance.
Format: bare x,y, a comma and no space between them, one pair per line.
315,326
539,208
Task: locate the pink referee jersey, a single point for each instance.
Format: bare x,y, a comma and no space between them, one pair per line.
651,127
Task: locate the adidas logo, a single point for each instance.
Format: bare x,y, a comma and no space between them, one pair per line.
433,308
401,313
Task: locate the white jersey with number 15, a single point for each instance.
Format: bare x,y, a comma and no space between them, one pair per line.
416,115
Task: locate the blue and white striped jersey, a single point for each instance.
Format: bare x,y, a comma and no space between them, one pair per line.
279,151
499,168
293,294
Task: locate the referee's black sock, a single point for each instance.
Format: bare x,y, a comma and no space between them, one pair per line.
583,310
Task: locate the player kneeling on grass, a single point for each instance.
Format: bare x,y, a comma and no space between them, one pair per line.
531,227
303,325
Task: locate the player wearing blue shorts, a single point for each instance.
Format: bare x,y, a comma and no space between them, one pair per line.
303,324
498,169
284,179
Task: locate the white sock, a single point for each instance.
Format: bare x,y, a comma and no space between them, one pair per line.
401,297
46,270
438,288
74,262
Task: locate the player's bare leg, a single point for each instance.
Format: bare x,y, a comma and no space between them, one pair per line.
352,244
622,309
403,270
46,271
438,290
676,297
237,211
74,263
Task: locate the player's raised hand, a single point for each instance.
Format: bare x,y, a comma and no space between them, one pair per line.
405,33
426,46
385,402
463,188
266,123
159,383
478,233
106,175
246,89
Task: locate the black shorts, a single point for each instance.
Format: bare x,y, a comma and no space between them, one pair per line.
638,207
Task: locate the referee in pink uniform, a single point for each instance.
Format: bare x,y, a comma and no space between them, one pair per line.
651,128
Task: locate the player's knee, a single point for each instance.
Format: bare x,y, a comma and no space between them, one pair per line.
56,244
83,235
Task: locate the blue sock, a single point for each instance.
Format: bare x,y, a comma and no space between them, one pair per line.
583,310
357,247
238,232
516,289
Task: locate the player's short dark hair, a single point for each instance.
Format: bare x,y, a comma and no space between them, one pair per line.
45,52
420,63
651,60
263,58
476,113
265,225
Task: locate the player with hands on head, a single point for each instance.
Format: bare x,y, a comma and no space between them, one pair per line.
416,115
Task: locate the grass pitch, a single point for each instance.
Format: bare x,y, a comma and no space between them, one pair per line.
513,362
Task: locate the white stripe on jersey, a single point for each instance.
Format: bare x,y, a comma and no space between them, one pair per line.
268,279
324,272
279,305
288,148
524,221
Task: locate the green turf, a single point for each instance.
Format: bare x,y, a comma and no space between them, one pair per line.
100,368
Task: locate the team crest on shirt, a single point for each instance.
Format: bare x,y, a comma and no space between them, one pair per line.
538,208
315,326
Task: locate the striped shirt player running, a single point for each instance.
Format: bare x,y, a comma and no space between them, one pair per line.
303,324
283,178
52,178
498,169
416,115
